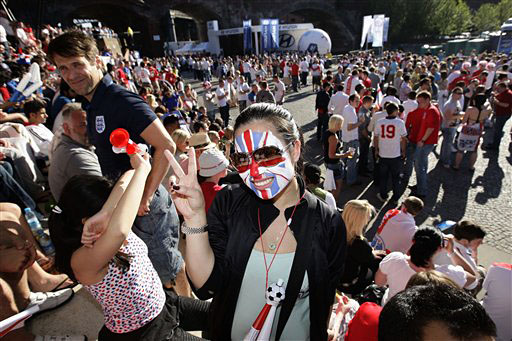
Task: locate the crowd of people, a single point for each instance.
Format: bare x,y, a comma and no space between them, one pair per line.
193,221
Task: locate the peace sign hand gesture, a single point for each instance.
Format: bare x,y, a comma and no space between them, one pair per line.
186,192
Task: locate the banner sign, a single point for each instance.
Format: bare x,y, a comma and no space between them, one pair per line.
378,30
265,34
386,29
247,35
367,24
274,33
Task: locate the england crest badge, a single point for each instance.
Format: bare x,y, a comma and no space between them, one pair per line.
100,124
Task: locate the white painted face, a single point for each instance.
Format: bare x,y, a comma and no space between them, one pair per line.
266,166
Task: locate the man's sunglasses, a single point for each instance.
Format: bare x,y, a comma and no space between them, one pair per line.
267,156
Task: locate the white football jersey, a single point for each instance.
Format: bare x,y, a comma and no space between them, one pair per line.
390,131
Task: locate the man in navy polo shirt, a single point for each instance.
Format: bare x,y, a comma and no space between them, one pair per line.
108,107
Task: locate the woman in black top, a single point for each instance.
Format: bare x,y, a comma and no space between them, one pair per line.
332,155
362,262
271,214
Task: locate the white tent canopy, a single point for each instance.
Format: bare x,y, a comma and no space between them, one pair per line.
191,48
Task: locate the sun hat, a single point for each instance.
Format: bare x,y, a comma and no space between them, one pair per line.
212,161
200,141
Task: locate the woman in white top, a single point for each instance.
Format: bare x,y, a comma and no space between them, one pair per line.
396,269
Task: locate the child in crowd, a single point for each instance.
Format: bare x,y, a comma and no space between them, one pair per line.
398,227
112,263
213,166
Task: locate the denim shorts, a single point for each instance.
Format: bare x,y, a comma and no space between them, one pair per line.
337,170
160,231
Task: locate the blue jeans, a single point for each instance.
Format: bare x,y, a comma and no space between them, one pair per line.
409,162
160,231
499,124
446,147
351,163
421,167
10,189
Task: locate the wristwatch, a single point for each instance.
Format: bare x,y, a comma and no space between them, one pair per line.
196,230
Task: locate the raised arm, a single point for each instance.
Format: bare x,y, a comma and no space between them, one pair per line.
188,198
88,263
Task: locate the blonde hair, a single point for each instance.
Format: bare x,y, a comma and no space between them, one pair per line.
432,277
179,136
335,121
356,215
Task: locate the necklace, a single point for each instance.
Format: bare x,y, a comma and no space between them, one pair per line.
276,247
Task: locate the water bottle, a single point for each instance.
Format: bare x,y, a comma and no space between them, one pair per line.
37,230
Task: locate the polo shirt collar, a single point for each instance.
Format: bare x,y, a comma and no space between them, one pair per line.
100,91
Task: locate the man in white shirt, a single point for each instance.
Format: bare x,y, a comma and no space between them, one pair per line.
338,101
498,287
279,90
246,68
351,82
42,136
410,104
390,141
304,71
243,91
222,101
350,137
398,227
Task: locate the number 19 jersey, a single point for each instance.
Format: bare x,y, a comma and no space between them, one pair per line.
390,131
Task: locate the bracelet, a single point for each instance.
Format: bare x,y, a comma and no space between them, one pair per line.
189,230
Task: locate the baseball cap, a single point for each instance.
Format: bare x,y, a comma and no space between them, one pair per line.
211,162
207,85
365,324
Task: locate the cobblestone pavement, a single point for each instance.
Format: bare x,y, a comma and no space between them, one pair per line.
484,195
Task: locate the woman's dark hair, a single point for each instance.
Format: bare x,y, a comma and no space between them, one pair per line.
281,119
479,101
82,197
426,242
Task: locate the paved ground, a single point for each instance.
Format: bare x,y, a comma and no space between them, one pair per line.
484,196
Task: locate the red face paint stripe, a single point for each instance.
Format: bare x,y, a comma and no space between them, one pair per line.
265,141
248,141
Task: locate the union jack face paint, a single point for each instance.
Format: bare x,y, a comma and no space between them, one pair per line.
265,178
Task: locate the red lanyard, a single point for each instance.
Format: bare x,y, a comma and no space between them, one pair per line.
267,269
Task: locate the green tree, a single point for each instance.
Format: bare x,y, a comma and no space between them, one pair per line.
504,10
487,18
451,16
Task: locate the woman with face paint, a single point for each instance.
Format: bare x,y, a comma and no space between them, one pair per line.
267,230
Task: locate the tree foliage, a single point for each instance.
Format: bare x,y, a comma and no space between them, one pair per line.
412,19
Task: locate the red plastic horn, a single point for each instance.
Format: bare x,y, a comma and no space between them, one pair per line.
120,138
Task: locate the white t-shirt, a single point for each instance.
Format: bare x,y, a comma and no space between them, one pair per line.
390,98
376,117
304,66
398,271
243,87
42,136
397,233
390,131
144,76
246,67
222,102
409,105
338,102
279,93
349,117
354,81
498,298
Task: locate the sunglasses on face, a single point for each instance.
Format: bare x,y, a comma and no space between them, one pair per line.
267,156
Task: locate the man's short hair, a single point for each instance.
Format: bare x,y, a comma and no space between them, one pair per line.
412,95
33,106
352,97
391,108
425,95
405,316
70,108
367,99
467,229
339,87
73,44
326,85
413,205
